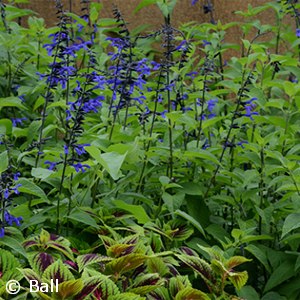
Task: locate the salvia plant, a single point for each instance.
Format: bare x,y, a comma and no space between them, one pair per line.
152,165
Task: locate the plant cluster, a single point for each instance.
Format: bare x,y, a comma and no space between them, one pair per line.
150,165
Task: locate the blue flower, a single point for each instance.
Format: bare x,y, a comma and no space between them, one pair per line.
183,46
249,111
211,104
15,189
16,121
52,165
298,32
11,219
194,2
79,167
241,143
17,175
93,104
249,107
205,43
66,149
2,232
192,74
80,148
6,193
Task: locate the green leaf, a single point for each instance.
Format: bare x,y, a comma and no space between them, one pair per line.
238,279
201,154
249,293
31,188
235,261
200,266
189,293
5,126
291,222
191,220
136,210
8,266
83,217
41,173
40,261
59,271
12,102
259,255
157,265
3,161
126,296
173,202
143,4
14,244
86,260
284,272
125,263
111,161
69,288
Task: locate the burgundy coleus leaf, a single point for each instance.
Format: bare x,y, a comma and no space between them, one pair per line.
64,249
146,279
99,285
40,261
29,243
30,275
53,237
188,251
72,264
58,271
89,259
87,290
200,266
120,250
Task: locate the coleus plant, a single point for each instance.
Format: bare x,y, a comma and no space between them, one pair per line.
128,268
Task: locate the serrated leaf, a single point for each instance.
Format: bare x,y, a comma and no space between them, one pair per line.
200,266
57,271
157,265
143,290
190,293
40,261
101,284
69,288
238,279
30,275
125,263
126,296
178,283
8,266
236,261
86,260
120,249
